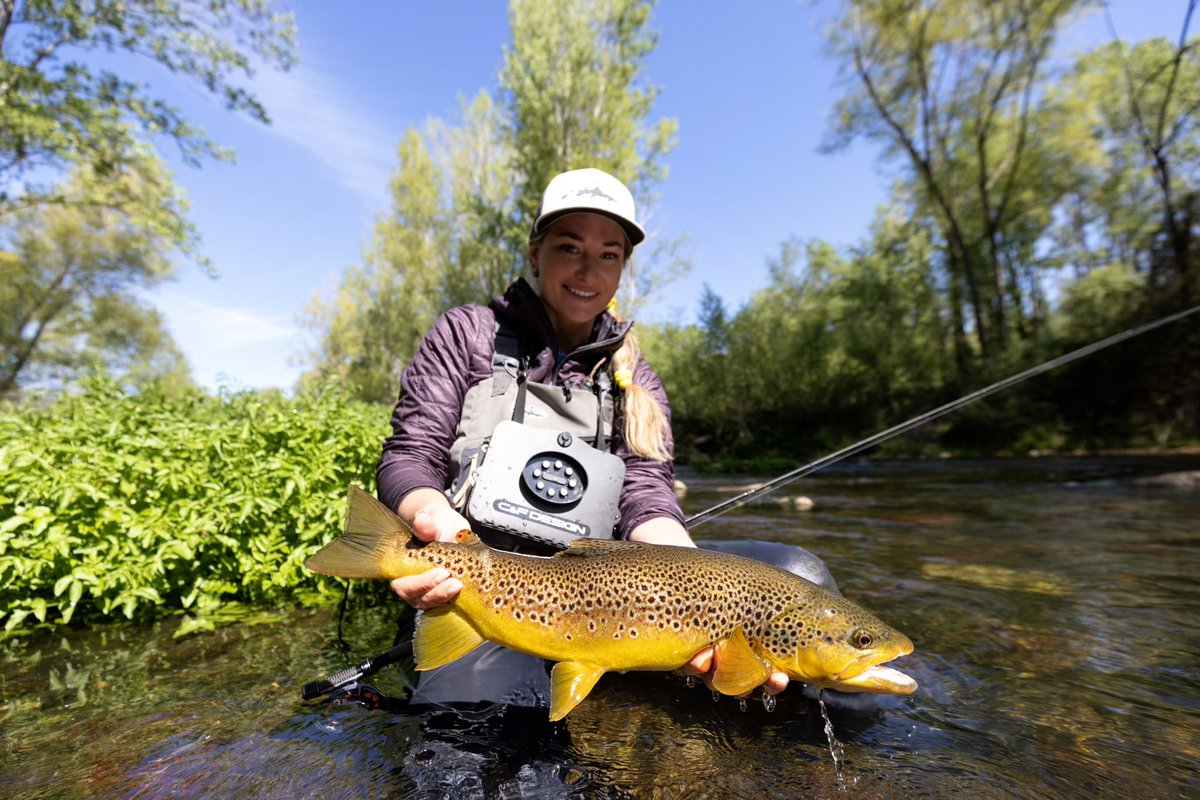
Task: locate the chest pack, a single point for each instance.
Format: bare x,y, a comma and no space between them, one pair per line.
531,462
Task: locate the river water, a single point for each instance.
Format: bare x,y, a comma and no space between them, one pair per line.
1054,604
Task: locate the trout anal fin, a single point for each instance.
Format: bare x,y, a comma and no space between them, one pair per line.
570,682
739,668
442,636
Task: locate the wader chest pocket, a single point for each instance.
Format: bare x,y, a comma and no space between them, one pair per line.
546,485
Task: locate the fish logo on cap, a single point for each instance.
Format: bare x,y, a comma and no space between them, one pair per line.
595,191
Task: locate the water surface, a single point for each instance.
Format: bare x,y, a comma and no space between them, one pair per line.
1054,603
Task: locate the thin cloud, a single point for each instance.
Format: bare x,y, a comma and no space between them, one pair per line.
237,347
308,109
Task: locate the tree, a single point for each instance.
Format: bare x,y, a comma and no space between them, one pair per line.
951,87
71,273
60,108
465,194
76,249
383,308
1140,176
577,97
477,159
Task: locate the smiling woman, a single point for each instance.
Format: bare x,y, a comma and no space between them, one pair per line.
576,262
533,421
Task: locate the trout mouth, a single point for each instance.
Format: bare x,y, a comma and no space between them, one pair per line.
877,679
868,673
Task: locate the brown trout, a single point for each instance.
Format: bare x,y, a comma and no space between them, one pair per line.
601,606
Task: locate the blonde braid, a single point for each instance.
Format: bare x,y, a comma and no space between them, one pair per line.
645,421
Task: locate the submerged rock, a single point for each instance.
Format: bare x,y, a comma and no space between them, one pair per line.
1172,480
796,502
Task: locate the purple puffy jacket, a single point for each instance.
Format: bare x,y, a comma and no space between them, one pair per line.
457,354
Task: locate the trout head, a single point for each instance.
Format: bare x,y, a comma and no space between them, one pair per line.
834,644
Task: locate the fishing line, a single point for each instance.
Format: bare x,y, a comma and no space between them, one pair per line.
928,416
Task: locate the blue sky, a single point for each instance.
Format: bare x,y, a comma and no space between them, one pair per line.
748,82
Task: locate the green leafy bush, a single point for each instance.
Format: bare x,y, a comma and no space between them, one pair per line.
115,506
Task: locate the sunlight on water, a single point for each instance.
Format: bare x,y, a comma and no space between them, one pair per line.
1053,605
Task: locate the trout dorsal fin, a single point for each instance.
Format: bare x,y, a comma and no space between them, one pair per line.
739,668
598,547
570,682
372,532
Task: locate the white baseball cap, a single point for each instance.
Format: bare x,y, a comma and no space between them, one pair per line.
589,190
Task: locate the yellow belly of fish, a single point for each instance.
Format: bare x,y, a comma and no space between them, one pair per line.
593,638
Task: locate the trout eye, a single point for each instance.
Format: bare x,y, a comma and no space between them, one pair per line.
862,639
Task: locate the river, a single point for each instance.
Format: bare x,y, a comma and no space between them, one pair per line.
1054,604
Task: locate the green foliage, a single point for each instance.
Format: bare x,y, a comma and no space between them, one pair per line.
88,212
61,109
71,275
571,77
1128,118
123,506
836,344
950,88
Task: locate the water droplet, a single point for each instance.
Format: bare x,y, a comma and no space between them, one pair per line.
690,681
716,695
742,703
768,702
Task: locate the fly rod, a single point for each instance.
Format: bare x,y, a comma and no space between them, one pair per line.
919,420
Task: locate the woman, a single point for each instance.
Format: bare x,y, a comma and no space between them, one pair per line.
579,246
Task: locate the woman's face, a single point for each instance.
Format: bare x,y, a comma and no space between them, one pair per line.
578,266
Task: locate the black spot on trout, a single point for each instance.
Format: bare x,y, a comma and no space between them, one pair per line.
574,608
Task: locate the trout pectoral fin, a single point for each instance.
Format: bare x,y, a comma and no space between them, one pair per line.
442,635
570,682
739,669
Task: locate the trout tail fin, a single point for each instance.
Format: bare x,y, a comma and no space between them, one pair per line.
373,534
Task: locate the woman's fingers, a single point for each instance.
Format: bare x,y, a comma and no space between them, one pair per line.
438,524
425,526
704,664
701,666
427,590
775,683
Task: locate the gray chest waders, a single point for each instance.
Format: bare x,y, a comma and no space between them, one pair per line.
530,461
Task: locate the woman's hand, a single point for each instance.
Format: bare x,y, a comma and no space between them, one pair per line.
704,664
431,519
665,530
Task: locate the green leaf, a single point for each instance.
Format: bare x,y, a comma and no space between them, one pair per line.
15,617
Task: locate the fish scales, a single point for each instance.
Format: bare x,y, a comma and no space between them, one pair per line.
605,605
686,597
